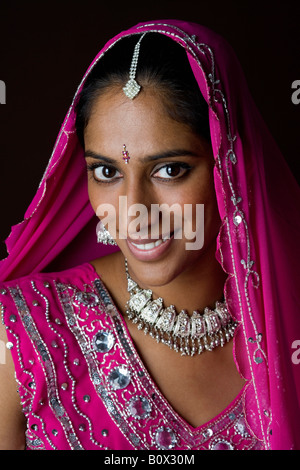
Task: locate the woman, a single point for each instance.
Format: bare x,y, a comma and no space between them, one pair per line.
155,344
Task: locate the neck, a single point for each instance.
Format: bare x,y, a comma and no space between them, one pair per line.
197,287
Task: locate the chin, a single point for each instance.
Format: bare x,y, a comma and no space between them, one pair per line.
161,272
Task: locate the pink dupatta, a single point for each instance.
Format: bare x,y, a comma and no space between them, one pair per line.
258,201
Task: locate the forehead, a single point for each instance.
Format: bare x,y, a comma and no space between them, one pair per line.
142,124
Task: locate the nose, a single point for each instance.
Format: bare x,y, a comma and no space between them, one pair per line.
138,191
135,208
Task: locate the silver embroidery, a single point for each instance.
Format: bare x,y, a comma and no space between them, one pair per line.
48,367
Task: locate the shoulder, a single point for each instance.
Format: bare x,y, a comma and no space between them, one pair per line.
22,296
29,305
44,284
74,274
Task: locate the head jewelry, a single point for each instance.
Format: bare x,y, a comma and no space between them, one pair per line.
132,88
125,154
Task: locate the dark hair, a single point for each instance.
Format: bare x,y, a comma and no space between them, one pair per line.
163,65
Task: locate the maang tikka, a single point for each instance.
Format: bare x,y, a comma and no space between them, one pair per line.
132,88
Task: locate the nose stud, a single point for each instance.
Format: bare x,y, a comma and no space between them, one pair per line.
125,154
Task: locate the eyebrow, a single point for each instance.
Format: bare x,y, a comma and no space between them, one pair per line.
149,158
90,153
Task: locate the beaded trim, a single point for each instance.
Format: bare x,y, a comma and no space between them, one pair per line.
48,368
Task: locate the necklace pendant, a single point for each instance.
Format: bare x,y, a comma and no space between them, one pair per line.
138,301
223,313
212,320
166,319
151,311
198,327
182,325
131,285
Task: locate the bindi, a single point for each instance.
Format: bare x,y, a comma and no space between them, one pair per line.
125,154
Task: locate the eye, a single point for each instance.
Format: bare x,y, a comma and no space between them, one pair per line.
172,171
103,173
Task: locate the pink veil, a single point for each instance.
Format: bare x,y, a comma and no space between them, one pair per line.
258,245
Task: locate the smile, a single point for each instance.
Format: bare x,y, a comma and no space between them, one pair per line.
148,246
146,250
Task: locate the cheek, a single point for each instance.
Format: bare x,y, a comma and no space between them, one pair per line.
105,204
93,196
199,206
101,199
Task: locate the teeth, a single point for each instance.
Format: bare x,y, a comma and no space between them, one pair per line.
148,246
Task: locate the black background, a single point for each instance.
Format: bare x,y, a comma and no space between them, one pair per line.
45,48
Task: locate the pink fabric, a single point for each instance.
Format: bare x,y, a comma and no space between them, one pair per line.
69,398
257,246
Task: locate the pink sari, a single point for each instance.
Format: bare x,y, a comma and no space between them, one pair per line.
258,246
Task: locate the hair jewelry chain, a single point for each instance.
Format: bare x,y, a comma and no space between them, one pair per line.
185,334
132,88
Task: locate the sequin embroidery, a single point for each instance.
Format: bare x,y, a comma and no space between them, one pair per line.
82,365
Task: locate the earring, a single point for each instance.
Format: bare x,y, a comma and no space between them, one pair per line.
103,235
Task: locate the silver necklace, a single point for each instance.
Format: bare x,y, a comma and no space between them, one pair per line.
186,334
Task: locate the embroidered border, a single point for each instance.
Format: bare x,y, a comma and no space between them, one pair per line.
48,368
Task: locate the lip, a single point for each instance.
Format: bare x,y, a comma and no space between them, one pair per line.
143,241
140,251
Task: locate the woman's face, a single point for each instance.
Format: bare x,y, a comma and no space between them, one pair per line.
170,165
